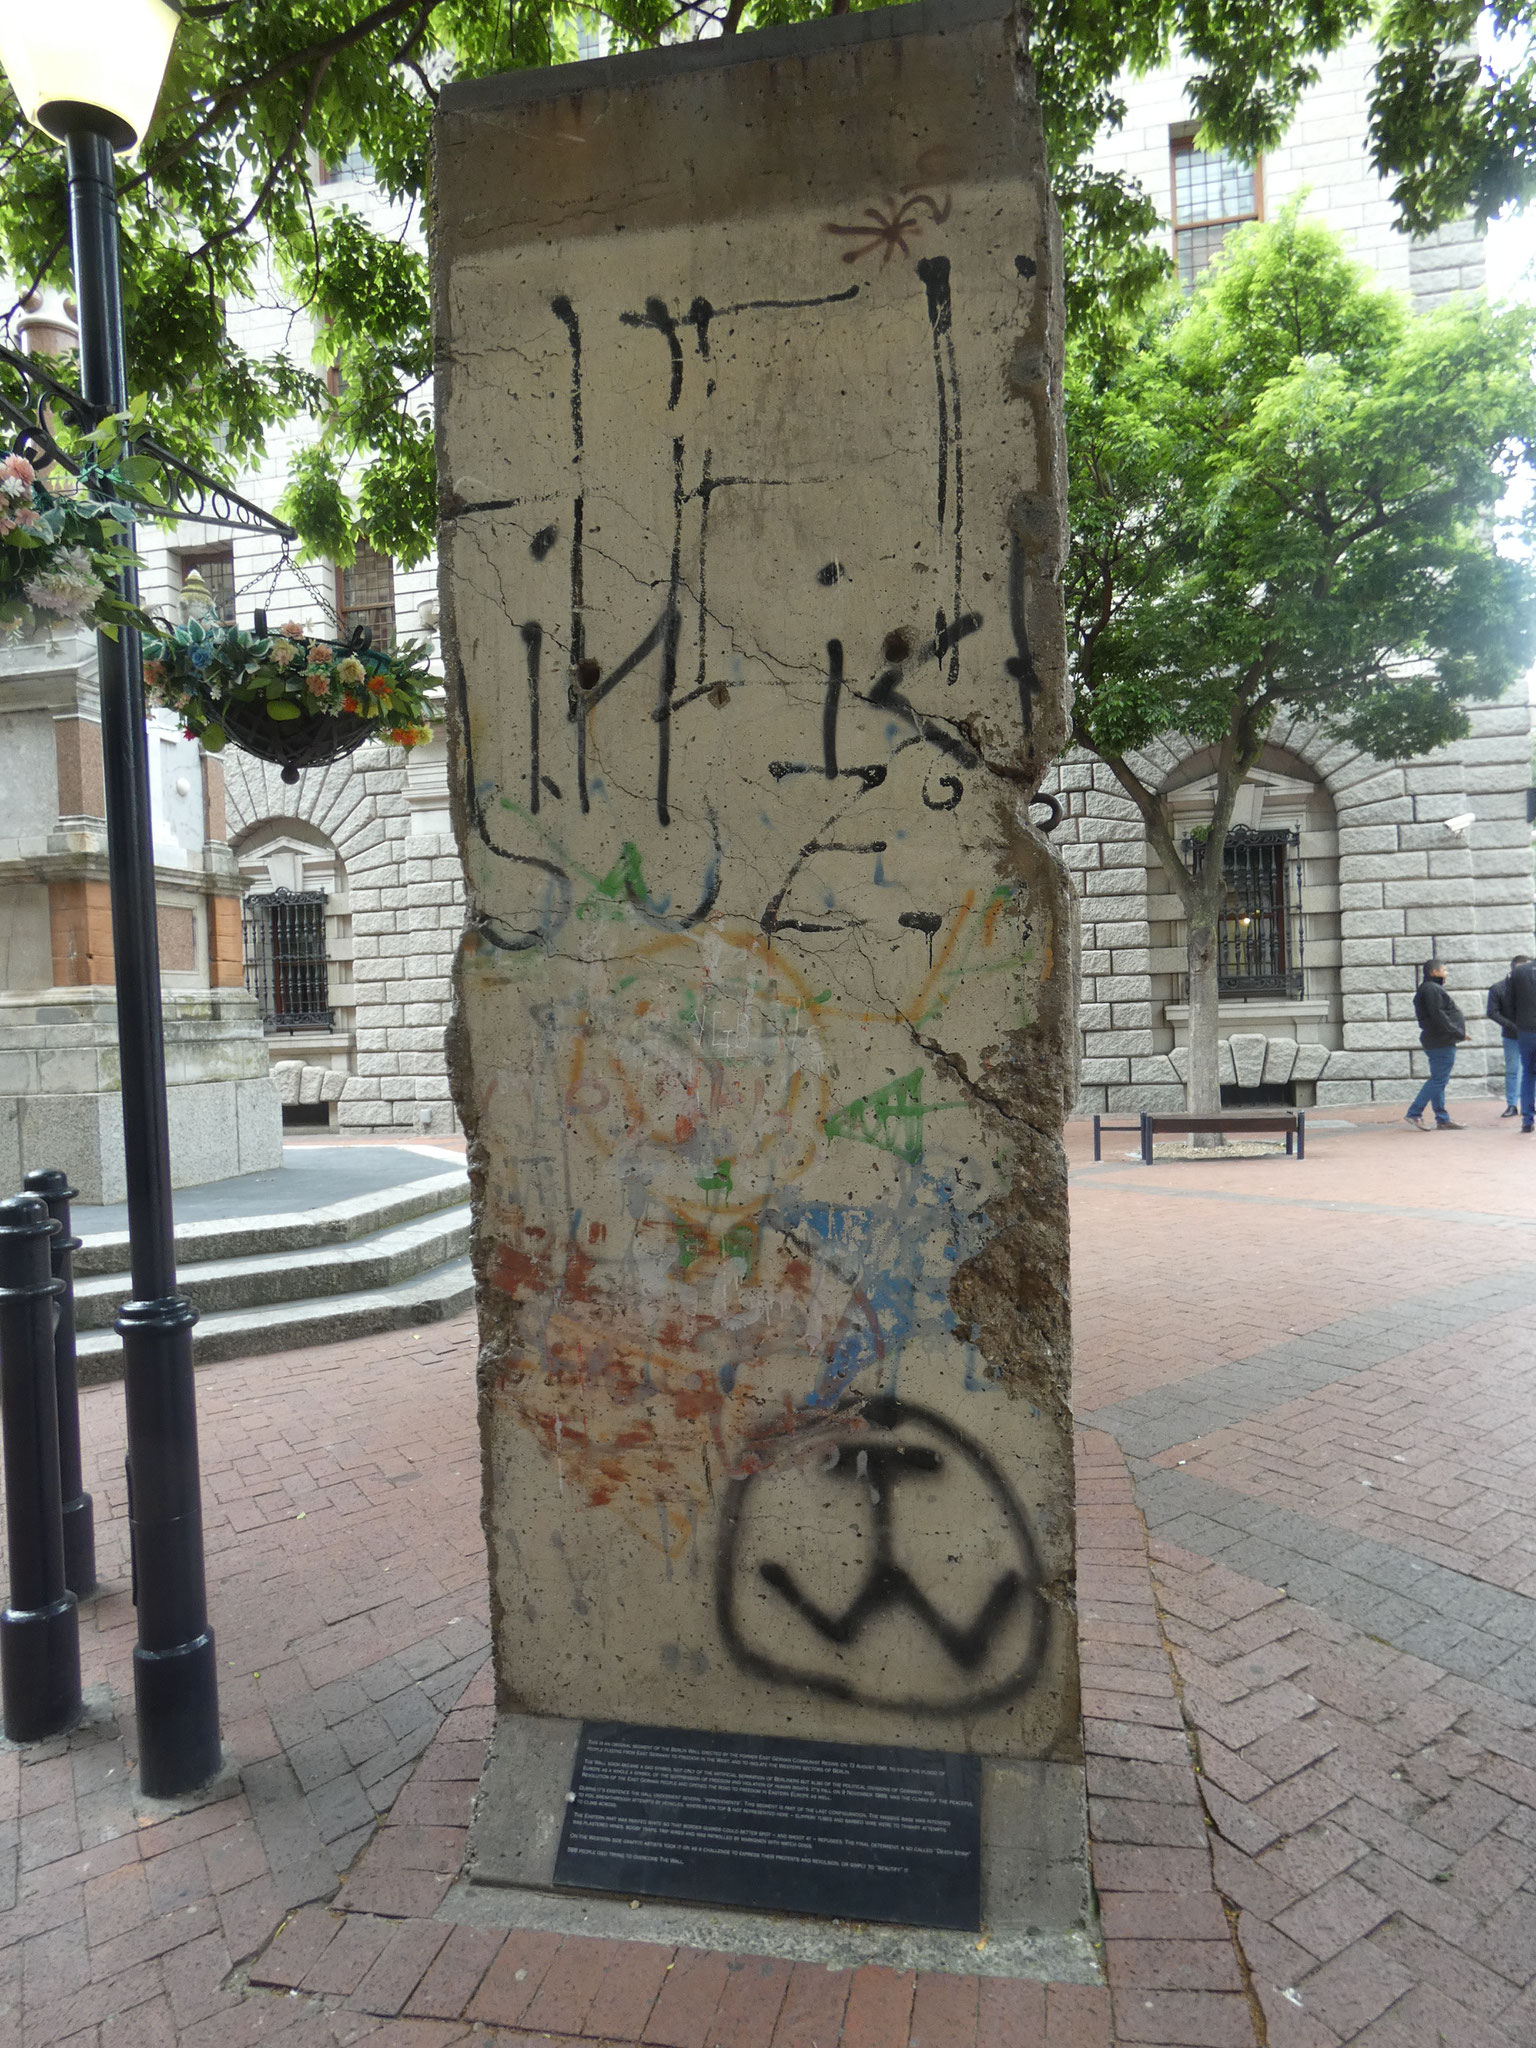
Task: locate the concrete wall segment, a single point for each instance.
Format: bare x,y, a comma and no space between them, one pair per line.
766,1011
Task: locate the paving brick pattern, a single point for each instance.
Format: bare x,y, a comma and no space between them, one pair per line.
1344,1542
1313,1817
1373,1453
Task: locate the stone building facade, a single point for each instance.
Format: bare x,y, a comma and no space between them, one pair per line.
369,836
1372,878
1375,881
60,1075
1367,867
371,833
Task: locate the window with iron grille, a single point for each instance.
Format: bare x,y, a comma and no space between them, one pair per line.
1212,194
365,595
285,964
1259,939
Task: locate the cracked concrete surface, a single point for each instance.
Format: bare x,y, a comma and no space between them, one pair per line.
765,1030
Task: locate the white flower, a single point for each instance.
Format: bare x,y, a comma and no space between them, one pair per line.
69,586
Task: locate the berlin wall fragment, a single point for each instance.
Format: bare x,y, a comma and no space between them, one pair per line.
749,418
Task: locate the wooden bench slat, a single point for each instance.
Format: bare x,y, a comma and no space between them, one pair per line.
1246,1122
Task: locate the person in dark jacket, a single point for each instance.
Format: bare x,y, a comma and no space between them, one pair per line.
1522,1003
1501,1008
1442,1027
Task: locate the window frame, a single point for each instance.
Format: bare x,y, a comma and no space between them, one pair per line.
1185,145
349,616
1287,981
272,970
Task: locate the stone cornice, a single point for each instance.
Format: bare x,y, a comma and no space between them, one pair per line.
90,865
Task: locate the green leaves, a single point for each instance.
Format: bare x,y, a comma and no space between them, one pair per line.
226,206
1456,134
316,504
1283,496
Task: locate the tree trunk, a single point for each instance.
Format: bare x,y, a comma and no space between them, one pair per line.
1203,1084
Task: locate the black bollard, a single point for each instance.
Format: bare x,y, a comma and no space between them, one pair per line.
79,1513
40,1629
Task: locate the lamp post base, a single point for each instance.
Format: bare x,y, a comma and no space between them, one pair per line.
176,1698
40,1669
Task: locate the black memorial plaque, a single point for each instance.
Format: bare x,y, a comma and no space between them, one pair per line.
831,1828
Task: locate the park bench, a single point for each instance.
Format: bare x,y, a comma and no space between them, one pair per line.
1244,1122
1292,1123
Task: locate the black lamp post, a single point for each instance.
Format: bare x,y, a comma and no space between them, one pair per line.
88,72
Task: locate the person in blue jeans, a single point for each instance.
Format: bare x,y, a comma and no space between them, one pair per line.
1442,1027
1522,1003
1501,1010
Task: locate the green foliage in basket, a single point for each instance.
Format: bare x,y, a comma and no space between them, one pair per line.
199,669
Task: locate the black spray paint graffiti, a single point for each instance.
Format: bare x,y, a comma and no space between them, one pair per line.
910,1466
591,684
927,922
934,272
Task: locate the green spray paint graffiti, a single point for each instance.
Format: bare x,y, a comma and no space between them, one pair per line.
890,1117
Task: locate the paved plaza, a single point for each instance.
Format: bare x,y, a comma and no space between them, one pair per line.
1307,1489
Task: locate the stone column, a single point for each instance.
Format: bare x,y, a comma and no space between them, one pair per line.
749,403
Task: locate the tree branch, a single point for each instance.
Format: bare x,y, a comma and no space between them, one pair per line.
1150,805
294,61
279,163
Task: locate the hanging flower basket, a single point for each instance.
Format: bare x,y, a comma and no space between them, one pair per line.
286,698
59,552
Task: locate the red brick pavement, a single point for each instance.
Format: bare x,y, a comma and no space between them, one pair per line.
1372,1817
1353,1860
1435,1450
1353,1226
346,1583
1374,1821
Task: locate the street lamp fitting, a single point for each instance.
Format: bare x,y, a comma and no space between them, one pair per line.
89,72
94,64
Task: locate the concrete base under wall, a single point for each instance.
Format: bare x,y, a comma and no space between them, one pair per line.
1037,1902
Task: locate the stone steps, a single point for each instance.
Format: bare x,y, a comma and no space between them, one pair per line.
248,1332
240,1237
269,1278
374,1262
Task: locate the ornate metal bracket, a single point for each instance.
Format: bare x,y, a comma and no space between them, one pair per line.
187,493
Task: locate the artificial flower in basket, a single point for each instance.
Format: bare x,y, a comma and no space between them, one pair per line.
284,697
60,551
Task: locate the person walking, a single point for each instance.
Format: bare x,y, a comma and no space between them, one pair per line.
1522,1002
1502,1010
1442,1027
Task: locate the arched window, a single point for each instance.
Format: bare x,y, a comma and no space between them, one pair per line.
298,955
1279,943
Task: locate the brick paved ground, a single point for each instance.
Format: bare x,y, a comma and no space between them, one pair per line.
1314,1383
1332,1433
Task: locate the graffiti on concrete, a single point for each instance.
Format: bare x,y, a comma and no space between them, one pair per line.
705,1289
631,702
897,1543
745,704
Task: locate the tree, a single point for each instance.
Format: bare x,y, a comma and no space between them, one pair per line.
259,89
1284,499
